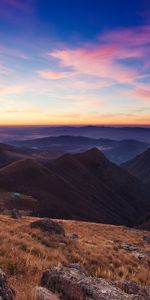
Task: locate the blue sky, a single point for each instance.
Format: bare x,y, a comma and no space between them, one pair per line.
74,62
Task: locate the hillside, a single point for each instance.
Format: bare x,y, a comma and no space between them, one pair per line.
25,204
140,166
101,249
9,154
85,186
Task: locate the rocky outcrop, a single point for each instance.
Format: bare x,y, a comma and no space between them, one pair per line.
40,293
72,283
72,236
147,238
6,293
135,250
48,225
133,288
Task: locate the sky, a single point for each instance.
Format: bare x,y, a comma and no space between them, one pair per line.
74,62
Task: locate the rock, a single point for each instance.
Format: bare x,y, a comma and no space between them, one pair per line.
49,226
6,293
72,236
40,293
146,238
128,287
16,214
136,251
73,284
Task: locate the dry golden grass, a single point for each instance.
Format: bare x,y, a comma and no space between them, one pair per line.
25,252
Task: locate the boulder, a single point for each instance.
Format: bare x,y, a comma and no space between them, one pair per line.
40,293
147,238
72,236
6,293
15,214
49,226
137,251
128,287
72,283
133,288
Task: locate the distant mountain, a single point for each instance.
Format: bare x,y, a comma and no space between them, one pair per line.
85,186
140,166
68,142
116,151
8,133
10,154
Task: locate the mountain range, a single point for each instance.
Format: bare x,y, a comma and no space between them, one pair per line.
83,186
117,151
8,133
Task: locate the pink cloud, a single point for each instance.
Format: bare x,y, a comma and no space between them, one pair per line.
54,75
142,93
106,57
97,62
13,89
130,37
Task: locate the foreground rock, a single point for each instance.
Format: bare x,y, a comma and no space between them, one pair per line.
72,236
40,293
147,238
131,287
49,226
73,284
5,292
15,214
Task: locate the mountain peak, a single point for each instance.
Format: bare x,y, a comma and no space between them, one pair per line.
93,154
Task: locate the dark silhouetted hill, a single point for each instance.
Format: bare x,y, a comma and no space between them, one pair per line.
140,166
85,186
9,154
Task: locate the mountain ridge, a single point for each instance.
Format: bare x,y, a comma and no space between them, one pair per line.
140,166
84,186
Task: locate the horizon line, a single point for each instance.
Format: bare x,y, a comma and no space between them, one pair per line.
75,125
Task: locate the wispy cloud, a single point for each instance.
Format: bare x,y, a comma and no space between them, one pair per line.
131,38
4,70
9,51
11,89
20,5
54,75
111,56
96,62
142,93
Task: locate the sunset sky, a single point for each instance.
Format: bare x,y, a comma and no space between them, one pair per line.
74,62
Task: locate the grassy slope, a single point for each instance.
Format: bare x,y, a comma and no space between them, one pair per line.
25,252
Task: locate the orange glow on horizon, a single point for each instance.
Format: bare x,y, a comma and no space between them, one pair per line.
60,121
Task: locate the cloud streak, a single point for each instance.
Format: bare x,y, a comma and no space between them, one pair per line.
54,75
20,5
111,56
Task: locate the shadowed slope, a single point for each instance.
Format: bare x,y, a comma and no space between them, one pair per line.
140,166
9,154
84,186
